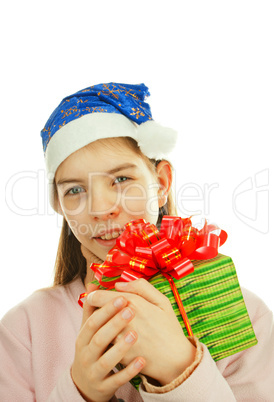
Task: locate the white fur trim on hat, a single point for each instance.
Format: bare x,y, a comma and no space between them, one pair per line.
154,140
82,131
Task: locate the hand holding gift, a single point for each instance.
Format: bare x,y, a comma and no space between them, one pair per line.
94,360
160,339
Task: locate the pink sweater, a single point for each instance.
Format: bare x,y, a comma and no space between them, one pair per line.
37,340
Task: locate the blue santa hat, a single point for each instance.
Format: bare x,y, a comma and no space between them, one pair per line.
103,111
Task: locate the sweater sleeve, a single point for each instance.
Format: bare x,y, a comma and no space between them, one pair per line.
65,390
244,376
206,383
16,379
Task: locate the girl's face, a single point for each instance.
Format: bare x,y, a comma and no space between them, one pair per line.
103,186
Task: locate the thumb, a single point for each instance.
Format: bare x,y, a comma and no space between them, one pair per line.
87,308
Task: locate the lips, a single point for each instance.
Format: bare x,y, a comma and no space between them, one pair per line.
107,240
110,235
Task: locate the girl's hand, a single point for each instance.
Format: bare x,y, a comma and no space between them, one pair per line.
161,340
94,360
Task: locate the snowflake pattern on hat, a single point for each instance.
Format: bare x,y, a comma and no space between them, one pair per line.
125,99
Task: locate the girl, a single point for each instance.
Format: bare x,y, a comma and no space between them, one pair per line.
107,165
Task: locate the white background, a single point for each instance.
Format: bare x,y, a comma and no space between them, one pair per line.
209,66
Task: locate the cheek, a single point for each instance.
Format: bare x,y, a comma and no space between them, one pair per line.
73,206
76,219
79,228
133,199
153,200
141,200
152,206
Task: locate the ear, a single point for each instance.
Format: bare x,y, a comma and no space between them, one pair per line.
164,172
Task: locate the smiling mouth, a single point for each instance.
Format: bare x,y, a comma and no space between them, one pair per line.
110,236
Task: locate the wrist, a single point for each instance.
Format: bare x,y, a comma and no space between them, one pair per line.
183,360
78,389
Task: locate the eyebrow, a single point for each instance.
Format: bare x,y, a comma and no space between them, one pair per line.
111,171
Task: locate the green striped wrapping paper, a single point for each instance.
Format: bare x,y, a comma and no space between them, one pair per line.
214,304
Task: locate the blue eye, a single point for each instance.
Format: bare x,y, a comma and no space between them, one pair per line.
75,190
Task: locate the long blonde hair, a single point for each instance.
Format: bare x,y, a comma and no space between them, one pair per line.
70,262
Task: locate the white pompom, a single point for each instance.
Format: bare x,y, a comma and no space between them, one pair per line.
154,140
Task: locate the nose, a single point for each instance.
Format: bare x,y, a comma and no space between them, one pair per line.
104,205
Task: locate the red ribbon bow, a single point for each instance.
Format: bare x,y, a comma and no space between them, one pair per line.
142,251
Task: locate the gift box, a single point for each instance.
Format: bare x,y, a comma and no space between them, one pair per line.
184,264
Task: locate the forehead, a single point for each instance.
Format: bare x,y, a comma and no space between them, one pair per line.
101,155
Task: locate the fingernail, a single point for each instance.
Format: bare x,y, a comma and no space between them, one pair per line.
118,302
90,296
138,364
127,313
121,284
130,337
